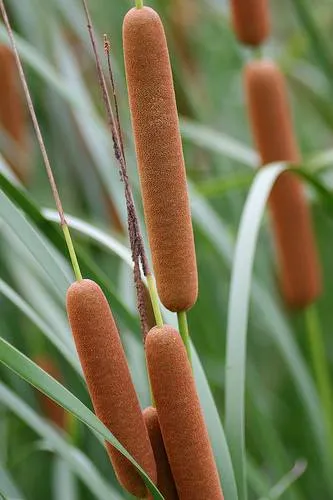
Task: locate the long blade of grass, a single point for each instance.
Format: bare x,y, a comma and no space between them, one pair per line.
238,320
238,310
76,460
29,371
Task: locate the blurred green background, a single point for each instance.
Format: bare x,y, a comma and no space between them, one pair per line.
207,62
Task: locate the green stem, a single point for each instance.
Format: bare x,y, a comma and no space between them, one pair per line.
321,368
139,4
72,253
154,299
184,333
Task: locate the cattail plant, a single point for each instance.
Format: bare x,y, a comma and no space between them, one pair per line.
273,133
165,481
251,21
179,413
160,158
109,382
51,410
13,116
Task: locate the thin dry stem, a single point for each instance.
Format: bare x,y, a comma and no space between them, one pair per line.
107,49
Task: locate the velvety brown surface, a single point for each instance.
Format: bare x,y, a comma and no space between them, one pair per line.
51,410
165,482
251,20
183,428
273,133
109,382
12,113
160,158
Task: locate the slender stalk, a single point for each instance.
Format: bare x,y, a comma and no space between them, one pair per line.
320,368
184,333
107,49
154,299
72,253
139,4
41,144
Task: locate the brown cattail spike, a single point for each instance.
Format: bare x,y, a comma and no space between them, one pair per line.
160,158
52,410
109,382
12,115
165,481
251,21
182,424
274,136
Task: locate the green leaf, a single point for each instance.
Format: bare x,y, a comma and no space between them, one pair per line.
75,459
238,310
30,372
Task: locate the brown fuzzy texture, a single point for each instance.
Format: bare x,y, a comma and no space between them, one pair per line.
165,481
160,158
12,114
251,21
182,424
273,133
51,410
109,382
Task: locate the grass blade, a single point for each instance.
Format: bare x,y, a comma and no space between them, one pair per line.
76,460
30,372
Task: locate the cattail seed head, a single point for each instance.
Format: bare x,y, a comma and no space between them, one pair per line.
273,133
160,158
12,115
54,412
109,382
179,413
251,21
165,481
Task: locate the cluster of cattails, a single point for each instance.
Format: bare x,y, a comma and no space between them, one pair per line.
168,440
13,121
271,123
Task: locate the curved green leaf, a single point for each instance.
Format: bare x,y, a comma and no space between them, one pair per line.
239,300
77,461
29,371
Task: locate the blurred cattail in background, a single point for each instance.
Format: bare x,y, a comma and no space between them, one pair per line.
109,382
165,481
251,21
180,417
160,158
273,133
14,140
51,410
